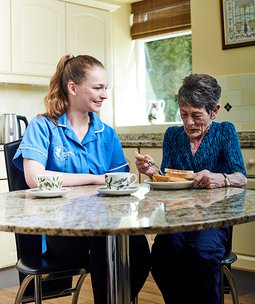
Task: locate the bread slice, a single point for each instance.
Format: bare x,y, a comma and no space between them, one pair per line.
185,174
166,178
174,175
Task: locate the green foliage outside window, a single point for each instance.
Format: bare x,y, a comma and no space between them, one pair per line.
168,62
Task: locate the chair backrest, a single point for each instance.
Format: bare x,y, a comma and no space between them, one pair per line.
27,244
16,179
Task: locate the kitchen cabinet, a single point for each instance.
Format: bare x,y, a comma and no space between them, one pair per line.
244,246
8,253
38,36
243,235
130,157
89,32
155,153
35,34
5,36
3,185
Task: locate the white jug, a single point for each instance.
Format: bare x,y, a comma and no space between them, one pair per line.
156,112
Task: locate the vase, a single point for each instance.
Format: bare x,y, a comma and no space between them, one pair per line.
156,113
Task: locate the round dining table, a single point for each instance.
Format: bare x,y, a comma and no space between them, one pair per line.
83,211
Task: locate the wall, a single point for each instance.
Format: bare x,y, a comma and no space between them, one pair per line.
124,58
208,55
22,99
233,68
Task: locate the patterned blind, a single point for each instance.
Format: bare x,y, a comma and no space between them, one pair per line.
156,17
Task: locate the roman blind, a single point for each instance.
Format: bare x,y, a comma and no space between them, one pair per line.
156,17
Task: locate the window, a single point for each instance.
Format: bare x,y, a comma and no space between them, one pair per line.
160,30
164,63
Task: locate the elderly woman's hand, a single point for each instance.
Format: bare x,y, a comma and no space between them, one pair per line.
144,164
209,180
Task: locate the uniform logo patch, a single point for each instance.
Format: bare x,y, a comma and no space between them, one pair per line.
61,153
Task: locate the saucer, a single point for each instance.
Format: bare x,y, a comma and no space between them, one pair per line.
124,191
47,193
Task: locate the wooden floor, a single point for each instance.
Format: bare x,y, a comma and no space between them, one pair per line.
148,295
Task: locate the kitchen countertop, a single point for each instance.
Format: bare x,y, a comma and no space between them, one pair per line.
83,211
247,139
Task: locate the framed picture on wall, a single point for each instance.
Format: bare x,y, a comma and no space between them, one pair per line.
238,23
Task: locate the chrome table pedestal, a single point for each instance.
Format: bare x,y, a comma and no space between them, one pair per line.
118,269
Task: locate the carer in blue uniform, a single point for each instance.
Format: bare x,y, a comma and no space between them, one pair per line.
70,138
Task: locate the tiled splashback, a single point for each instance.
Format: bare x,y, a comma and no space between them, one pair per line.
238,98
238,101
22,99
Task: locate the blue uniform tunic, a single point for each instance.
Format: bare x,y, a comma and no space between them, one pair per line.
186,265
57,147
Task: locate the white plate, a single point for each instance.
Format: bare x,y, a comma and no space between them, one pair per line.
49,193
124,191
169,185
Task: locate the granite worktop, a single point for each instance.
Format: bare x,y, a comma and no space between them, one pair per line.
247,139
83,211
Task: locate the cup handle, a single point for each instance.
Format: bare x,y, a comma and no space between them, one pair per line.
135,176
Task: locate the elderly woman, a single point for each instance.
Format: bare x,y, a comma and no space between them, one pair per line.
186,266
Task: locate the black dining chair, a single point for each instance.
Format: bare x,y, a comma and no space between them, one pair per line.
227,280
53,277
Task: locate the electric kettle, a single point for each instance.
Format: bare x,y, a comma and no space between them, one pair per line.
10,127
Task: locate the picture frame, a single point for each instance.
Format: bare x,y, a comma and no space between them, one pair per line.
237,23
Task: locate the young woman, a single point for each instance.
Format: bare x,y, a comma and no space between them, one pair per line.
70,138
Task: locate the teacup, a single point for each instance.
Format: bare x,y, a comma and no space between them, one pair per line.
119,180
49,181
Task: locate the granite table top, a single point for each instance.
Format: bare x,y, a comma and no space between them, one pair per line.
83,211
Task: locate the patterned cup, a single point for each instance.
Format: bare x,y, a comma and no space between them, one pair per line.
119,180
49,182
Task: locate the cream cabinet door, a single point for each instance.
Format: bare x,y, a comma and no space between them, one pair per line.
88,31
155,153
4,185
38,36
130,157
5,36
8,253
244,246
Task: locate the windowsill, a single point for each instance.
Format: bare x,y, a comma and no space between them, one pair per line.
150,128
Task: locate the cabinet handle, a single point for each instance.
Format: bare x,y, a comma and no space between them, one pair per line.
251,162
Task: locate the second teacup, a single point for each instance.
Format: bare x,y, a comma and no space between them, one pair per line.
119,180
48,181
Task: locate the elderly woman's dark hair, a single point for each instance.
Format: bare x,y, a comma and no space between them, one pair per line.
199,90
